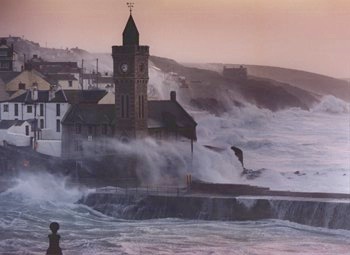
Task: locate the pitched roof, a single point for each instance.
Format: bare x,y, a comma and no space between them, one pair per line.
165,113
43,96
161,114
8,76
28,77
84,96
6,124
90,114
55,67
130,33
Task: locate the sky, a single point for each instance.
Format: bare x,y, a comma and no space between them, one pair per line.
311,35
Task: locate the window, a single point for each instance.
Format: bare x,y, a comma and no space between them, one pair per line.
122,106
41,123
21,85
16,109
6,108
58,110
27,130
70,84
3,53
41,109
78,145
142,107
125,106
58,126
139,107
29,108
5,65
78,128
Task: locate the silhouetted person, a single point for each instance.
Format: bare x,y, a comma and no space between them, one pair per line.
54,240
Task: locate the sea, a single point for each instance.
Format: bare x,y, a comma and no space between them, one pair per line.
28,208
292,149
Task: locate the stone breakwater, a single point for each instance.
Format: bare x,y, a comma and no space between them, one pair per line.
328,213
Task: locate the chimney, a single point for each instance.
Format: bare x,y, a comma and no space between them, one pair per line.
52,92
173,96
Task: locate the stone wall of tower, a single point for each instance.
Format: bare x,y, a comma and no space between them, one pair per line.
130,66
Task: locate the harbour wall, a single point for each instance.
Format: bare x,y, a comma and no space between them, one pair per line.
327,213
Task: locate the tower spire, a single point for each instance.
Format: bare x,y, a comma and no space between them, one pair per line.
130,33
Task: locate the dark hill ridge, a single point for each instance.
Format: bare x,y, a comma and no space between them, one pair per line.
317,83
211,86
313,82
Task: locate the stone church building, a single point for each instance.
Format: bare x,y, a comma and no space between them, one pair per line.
132,116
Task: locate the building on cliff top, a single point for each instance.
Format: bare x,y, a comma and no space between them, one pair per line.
236,73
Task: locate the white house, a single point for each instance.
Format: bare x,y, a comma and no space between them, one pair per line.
48,110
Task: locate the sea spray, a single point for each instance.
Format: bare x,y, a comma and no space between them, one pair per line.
43,186
168,162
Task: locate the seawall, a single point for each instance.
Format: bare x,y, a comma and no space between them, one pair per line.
328,213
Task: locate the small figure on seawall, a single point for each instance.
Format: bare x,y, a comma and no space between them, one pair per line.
54,240
250,174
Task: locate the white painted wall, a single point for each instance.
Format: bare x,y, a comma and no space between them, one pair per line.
18,139
15,135
49,147
22,111
49,116
65,85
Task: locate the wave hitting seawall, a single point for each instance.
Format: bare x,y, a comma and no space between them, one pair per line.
328,213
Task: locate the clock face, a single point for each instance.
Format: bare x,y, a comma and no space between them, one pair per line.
124,68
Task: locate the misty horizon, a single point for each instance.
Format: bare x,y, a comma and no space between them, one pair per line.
310,36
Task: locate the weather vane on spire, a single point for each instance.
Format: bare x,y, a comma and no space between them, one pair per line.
130,5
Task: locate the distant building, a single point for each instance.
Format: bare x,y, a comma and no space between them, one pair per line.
97,81
236,74
63,81
67,75
7,55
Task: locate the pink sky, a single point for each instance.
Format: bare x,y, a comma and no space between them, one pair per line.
312,35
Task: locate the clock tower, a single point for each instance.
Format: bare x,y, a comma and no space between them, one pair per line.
130,67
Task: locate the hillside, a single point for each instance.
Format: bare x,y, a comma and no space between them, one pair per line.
316,83
208,88
25,49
